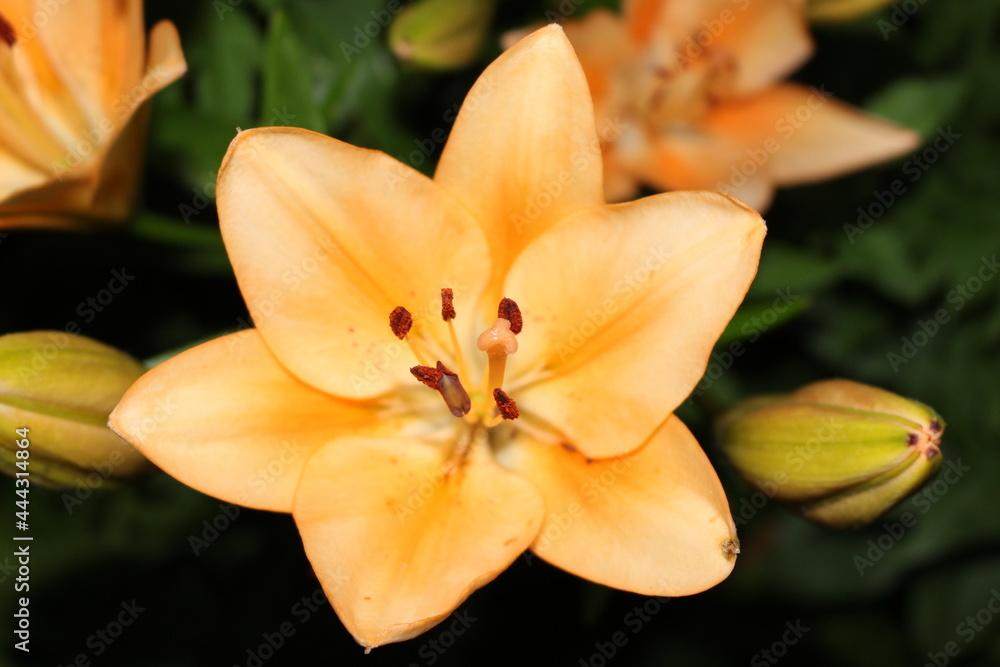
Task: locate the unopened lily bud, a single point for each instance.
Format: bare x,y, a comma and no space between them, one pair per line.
56,392
441,34
839,452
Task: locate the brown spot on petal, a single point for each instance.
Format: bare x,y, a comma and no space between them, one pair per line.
730,549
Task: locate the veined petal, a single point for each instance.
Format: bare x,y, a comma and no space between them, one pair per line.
655,521
812,136
398,545
228,420
619,330
524,151
326,239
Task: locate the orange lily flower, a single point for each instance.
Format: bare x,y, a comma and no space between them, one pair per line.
555,334
76,78
688,96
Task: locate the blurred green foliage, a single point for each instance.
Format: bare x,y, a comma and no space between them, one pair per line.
893,285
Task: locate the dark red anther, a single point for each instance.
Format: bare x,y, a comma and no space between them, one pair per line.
447,304
400,321
429,376
509,311
7,31
505,404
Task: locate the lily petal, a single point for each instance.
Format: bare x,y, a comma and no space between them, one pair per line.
655,521
815,136
326,239
398,545
524,151
768,39
619,331
228,420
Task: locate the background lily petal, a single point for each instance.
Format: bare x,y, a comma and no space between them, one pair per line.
227,419
655,521
397,545
326,239
834,138
624,323
75,87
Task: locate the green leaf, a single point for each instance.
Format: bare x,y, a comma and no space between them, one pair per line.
290,97
922,103
224,58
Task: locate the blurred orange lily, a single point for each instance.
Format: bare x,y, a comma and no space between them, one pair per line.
831,11
76,78
688,96
555,334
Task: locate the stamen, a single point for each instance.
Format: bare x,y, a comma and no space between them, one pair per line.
446,382
505,404
7,32
429,376
509,311
448,314
447,304
400,321
454,394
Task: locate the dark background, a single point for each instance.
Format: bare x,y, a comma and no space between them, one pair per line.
888,595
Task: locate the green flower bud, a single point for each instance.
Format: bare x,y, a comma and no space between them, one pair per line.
839,452
62,388
441,34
